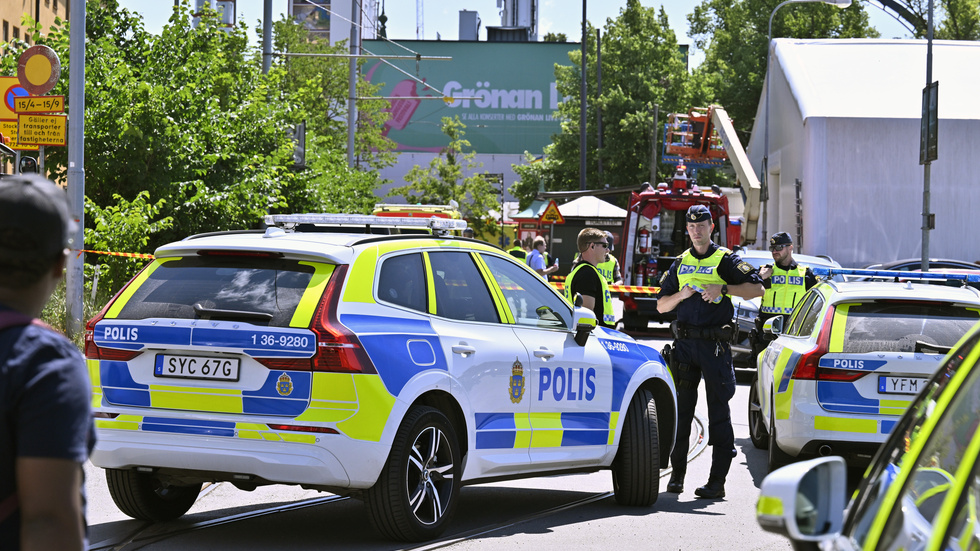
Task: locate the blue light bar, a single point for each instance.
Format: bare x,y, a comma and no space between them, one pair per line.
830,272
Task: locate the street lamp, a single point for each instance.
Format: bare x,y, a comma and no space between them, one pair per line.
765,154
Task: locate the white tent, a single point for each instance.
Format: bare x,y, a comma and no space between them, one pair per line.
845,121
591,207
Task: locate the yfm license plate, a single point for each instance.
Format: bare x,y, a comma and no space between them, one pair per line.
901,385
197,367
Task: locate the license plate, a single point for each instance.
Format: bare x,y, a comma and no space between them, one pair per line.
197,367
901,385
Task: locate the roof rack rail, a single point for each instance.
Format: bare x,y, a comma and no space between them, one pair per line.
291,221
895,274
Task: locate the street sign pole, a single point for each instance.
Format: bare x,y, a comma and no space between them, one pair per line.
76,169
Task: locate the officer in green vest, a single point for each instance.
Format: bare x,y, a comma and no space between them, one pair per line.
785,282
609,267
697,286
585,279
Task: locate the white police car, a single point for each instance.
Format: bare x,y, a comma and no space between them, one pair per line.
852,358
922,489
396,368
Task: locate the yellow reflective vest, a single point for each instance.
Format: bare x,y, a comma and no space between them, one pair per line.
608,316
607,268
698,272
786,287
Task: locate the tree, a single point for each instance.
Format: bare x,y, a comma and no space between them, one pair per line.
642,67
555,37
443,181
734,38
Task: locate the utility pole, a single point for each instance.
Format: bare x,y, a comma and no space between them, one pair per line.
355,44
74,278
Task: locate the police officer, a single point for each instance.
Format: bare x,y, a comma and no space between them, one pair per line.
785,282
517,251
609,267
697,286
586,280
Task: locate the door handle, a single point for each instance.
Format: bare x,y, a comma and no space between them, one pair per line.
463,349
544,353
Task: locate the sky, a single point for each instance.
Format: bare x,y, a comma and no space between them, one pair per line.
442,17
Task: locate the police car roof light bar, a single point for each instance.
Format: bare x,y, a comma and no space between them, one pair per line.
291,220
899,274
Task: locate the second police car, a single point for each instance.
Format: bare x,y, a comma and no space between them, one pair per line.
395,368
849,362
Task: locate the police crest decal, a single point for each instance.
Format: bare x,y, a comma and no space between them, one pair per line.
516,382
285,385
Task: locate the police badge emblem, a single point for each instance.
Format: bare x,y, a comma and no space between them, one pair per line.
285,385
516,382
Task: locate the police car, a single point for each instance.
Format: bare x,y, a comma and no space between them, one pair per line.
849,362
921,491
394,368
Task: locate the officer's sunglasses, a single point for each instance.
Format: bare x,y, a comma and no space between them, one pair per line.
603,243
777,248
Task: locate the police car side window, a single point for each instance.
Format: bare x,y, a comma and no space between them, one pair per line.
528,297
461,293
811,316
402,281
793,326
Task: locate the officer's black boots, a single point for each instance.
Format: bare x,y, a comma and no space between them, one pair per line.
676,483
714,489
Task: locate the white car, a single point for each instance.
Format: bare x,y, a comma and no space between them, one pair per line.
394,368
848,364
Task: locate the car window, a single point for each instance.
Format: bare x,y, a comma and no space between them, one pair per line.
871,491
932,474
262,291
461,293
402,281
799,313
896,326
964,530
530,300
811,316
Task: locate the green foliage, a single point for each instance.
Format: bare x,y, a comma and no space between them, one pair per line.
443,181
124,226
555,37
642,67
734,36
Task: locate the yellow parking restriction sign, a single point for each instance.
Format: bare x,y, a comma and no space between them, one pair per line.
42,129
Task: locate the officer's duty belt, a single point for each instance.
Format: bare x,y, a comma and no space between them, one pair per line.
722,333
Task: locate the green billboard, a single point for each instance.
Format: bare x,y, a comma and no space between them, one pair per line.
504,92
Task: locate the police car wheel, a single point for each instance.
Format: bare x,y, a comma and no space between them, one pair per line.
757,429
636,469
777,457
144,497
415,496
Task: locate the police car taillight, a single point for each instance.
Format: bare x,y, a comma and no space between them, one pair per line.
809,366
338,349
94,351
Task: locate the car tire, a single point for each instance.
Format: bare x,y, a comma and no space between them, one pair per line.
757,428
777,457
636,469
143,497
415,497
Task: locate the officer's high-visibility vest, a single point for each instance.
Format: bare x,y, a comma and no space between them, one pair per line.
517,252
786,287
608,316
698,272
607,268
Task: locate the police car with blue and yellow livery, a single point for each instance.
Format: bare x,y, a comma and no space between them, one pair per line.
921,491
851,359
395,368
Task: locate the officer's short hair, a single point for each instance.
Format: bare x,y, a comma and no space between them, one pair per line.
35,228
589,235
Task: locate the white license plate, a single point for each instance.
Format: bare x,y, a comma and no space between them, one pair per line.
197,367
901,385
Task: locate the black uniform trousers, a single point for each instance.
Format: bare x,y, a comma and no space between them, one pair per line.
693,359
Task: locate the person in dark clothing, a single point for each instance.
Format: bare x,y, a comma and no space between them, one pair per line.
586,280
698,286
785,282
46,431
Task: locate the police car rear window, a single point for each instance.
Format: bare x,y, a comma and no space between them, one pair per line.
897,326
261,291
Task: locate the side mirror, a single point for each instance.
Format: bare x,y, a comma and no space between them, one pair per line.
583,322
804,501
577,301
773,326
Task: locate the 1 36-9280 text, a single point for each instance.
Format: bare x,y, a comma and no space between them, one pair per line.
282,341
